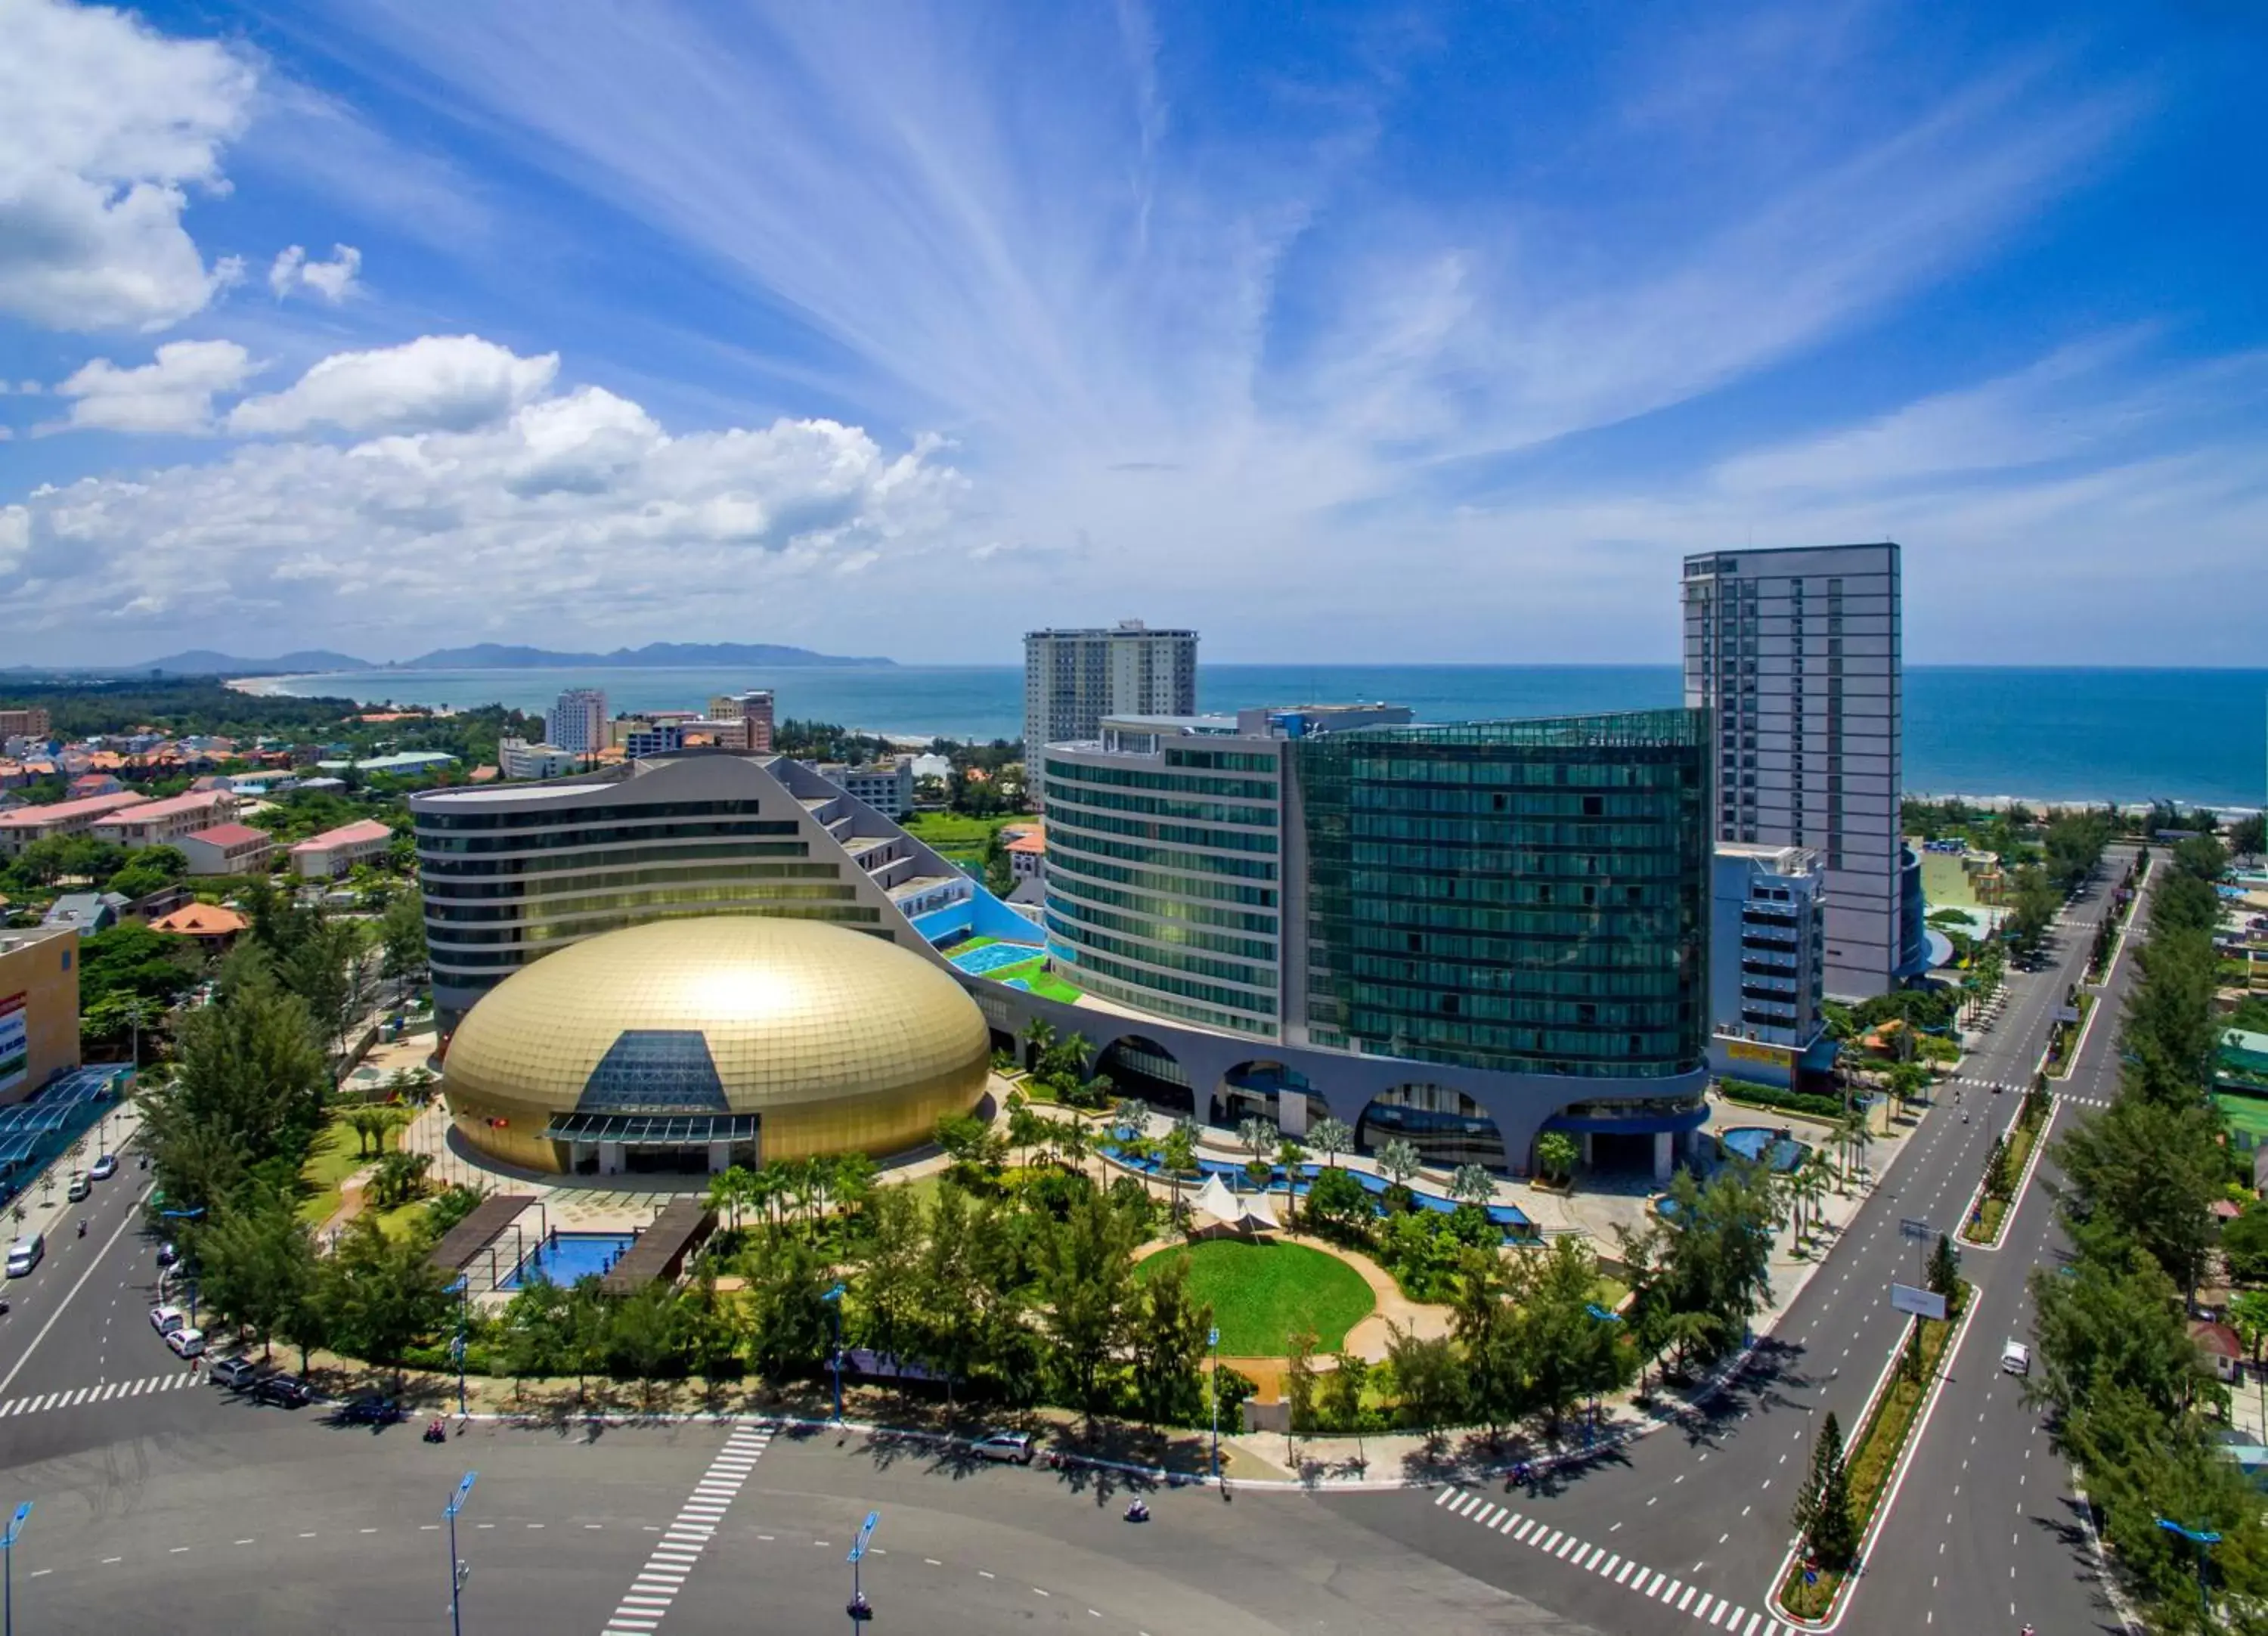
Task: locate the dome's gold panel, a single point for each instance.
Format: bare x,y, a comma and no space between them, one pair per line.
835,1039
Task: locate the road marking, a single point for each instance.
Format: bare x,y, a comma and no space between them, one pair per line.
656,1584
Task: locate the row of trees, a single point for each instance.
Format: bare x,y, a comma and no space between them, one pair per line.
2118,1366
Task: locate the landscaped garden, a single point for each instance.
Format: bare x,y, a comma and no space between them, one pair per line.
1263,1295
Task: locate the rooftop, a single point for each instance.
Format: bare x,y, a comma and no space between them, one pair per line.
228,835
177,806
93,807
201,920
345,834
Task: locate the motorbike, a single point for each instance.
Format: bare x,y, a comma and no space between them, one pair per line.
438,1432
1138,1511
82,1228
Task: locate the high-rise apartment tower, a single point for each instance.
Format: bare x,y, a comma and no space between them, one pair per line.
1072,679
1794,654
754,707
577,721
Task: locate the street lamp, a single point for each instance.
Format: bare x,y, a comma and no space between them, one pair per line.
858,1608
2204,1539
834,1300
461,1288
1213,1345
8,1568
186,1215
459,1570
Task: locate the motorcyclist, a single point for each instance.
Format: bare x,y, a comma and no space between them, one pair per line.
82,1226
1138,1511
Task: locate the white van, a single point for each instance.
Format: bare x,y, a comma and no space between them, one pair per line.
2016,1359
25,1254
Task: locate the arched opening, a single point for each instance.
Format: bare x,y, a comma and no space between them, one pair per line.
1139,1066
1270,1091
1445,1126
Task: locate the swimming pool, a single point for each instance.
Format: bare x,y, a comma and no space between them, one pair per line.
991,956
564,1258
1510,1217
1760,1142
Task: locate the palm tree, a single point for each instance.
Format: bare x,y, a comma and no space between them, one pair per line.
1039,1039
1862,1137
1290,1155
1330,1138
1398,1161
1471,1185
1076,1144
726,1189
1815,1179
1133,1114
1256,1135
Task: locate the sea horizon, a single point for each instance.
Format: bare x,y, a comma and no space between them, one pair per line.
2047,734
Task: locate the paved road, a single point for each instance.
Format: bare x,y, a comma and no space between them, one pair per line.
1702,1510
1990,1533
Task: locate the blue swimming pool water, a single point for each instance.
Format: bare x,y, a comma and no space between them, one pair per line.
1756,1141
991,956
564,1258
1507,1216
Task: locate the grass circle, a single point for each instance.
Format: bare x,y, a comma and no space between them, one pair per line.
1261,1295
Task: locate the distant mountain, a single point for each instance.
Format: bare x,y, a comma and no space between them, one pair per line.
653,656
205,662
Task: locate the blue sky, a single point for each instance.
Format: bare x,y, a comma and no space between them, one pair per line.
1374,333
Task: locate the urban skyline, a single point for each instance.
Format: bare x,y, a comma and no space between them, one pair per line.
1317,350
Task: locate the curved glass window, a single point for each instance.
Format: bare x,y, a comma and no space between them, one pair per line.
1445,1126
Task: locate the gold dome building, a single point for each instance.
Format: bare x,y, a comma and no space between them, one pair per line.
692,1044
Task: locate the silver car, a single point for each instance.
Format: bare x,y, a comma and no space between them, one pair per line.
1016,1446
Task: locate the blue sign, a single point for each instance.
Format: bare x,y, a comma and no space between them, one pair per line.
1212,1337
866,1533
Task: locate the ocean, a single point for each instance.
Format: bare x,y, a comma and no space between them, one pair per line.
2199,737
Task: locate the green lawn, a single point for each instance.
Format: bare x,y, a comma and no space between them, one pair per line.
960,838
1262,1293
338,1154
1036,976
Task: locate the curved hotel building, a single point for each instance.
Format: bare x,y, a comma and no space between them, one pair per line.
1459,935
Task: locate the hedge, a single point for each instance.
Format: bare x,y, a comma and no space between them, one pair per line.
1808,1104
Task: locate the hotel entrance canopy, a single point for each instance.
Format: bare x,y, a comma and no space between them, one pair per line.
643,1129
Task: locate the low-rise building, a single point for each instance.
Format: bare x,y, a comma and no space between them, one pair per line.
94,783
403,764
163,824
23,724
214,927
335,852
886,787
20,828
38,1007
516,758
87,912
1027,846
228,849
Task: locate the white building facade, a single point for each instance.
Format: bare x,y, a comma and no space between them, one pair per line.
1796,655
1072,679
577,721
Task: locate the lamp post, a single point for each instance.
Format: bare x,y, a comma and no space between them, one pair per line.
2204,1539
459,1571
186,1215
8,1568
858,1608
834,1300
1212,1380
462,1286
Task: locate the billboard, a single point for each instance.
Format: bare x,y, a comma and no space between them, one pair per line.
1921,1302
15,1042
1750,1051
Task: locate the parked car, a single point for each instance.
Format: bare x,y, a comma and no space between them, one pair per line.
370,1410
166,1320
24,1252
236,1373
286,1391
105,1168
1016,1446
79,1187
168,1254
187,1343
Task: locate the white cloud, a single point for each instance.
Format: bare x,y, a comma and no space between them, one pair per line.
104,126
449,382
574,510
333,280
172,393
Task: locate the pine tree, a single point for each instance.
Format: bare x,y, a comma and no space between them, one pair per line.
1996,1169
1823,1508
1945,1273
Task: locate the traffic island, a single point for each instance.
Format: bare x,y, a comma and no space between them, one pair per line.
1844,1504
2009,1167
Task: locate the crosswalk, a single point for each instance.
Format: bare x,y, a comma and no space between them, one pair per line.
1716,1612
2004,1084
642,1606
41,1403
